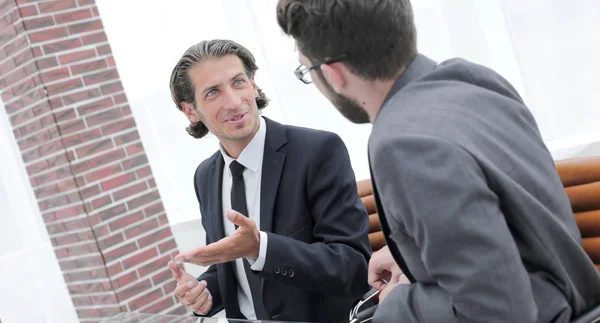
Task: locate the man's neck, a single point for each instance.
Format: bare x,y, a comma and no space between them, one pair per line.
371,96
235,147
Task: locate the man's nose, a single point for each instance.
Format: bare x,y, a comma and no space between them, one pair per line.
233,99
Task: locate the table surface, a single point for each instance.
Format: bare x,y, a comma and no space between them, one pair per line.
157,318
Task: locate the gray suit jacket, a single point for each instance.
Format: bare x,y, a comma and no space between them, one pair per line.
472,204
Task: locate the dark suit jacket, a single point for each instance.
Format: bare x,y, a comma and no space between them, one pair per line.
473,205
318,246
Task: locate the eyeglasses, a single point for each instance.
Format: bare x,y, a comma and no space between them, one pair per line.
303,72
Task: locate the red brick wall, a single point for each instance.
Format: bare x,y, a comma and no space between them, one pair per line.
85,161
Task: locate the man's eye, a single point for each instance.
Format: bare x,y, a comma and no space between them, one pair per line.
239,82
211,93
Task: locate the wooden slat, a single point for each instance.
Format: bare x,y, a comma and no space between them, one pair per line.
377,240
584,197
592,248
578,171
588,223
374,225
364,187
369,202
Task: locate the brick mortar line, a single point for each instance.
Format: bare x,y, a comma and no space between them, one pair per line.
62,94
57,54
160,299
92,294
89,185
129,226
112,190
98,307
62,24
148,277
2,61
64,234
98,210
135,239
73,147
55,168
31,105
88,282
84,230
146,262
111,248
53,13
79,76
16,97
134,297
77,244
98,126
44,85
99,253
68,36
81,270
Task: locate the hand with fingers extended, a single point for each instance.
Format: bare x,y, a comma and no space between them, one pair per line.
243,243
191,293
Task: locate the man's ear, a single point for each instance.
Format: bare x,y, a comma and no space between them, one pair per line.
334,75
190,112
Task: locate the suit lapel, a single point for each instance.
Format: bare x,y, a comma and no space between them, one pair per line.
216,201
273,161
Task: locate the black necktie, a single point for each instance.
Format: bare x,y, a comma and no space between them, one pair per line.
238,203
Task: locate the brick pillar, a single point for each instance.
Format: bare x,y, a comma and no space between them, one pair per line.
84,158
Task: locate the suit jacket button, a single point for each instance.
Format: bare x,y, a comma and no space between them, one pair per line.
276,270
291,273
284,272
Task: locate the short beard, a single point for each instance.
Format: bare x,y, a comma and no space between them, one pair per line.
348,107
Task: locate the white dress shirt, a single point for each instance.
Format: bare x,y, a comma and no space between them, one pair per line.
251,157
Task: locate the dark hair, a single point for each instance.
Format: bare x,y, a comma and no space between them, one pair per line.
182,89
378,35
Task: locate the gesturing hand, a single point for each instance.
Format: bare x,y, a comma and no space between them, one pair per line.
244,243
192,294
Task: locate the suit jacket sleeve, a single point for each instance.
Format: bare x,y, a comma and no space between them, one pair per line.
436,194
210,275
336,264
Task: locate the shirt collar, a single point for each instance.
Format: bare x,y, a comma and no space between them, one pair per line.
251,157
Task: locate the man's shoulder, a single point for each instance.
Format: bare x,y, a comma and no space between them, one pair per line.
309,135
456,96
205,165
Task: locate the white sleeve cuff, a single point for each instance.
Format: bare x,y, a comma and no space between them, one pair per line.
258,264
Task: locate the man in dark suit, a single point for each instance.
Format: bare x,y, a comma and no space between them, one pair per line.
468,196
287,234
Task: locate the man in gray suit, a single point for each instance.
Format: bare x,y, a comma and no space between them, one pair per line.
473,210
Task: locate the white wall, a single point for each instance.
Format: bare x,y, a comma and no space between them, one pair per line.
32,288
544,48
